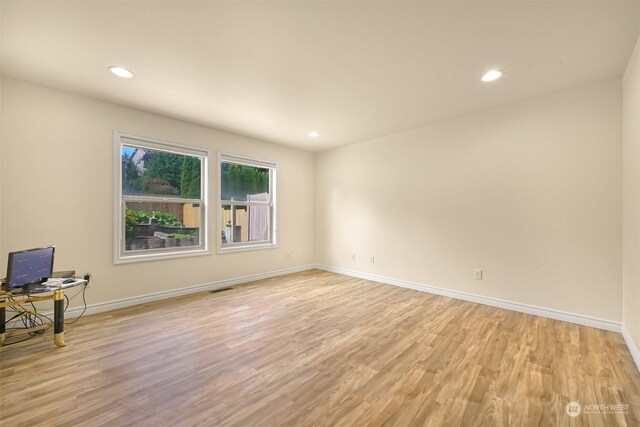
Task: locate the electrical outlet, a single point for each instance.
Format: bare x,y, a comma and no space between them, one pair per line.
477,274
288,255
371,259
87,277
353,257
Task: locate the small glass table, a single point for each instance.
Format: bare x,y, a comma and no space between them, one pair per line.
19,298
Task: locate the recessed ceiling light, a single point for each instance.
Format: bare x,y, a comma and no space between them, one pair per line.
314,134
492,75
121,72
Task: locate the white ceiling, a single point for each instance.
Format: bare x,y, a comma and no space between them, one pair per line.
350,70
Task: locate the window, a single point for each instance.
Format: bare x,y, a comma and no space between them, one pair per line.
160,199
247,204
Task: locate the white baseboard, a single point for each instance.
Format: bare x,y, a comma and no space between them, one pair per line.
594,322
633,347
211,286
579,319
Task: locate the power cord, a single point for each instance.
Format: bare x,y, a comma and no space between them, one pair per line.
29,318
84,300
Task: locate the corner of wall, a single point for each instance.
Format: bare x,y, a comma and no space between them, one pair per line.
316,203
631,205
1,167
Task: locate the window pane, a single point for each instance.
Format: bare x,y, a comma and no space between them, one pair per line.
157,225
244,183
149,172
242,224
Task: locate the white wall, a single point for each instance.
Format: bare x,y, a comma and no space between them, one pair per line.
57,179
529,192
631,196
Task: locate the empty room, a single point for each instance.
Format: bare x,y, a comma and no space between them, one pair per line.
319,213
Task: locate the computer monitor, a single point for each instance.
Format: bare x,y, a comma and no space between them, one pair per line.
29,267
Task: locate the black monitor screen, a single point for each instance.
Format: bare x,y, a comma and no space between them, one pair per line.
30,266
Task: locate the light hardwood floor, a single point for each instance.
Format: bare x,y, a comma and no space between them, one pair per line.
317,348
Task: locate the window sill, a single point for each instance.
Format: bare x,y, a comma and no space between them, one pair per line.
126,259
246,248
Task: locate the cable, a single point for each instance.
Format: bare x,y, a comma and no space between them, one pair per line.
84,290
86,277
28,318
6,344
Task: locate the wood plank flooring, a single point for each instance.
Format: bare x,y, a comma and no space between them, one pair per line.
321,349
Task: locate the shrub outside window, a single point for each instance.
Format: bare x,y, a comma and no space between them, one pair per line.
160,199
246,203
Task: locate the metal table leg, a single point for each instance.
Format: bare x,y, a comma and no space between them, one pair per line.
58,318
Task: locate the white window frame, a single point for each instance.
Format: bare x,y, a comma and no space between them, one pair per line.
120,255
273,192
